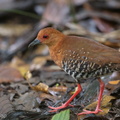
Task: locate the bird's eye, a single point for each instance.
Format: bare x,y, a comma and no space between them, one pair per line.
45,36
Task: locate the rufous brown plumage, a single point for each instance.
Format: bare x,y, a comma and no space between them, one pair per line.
80,57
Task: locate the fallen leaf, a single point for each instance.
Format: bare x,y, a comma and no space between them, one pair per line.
58,89
9,74
63,115
19,65
5,106
19,88
27,101
115,82
44,96
40,87
105,105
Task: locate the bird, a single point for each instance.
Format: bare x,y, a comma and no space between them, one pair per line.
81,58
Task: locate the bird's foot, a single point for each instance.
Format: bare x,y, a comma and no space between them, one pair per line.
89,112
66,104
60,107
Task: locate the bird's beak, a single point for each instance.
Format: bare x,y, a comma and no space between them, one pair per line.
35,42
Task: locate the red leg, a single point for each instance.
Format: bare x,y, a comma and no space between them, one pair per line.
68,102
99,100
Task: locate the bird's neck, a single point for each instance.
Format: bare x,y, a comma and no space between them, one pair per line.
55,52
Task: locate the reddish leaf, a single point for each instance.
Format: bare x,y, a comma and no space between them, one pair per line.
9,74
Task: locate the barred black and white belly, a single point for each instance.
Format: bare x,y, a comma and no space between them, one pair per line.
80,69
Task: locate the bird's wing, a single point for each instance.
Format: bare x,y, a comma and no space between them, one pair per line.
96,52
91,54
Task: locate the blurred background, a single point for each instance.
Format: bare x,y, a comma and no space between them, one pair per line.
20,21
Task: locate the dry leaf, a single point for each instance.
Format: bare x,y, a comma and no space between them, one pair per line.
19,88
5,106
27,101
40,87
44,96
105,105
9,74
19,65
115,82
59,89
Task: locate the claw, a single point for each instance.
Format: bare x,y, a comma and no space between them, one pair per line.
60,107
100,110
53,111
89,112
71,105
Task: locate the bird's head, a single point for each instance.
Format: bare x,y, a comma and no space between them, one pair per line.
48,36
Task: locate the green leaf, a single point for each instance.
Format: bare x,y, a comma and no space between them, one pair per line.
63,115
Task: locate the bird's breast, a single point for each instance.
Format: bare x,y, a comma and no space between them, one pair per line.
57,57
